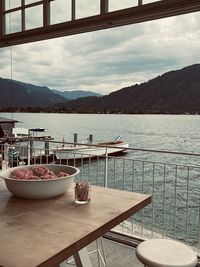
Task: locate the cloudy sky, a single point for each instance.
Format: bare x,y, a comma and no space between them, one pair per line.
108,60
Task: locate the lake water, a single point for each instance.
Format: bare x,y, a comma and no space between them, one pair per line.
167,132
176,198
159,132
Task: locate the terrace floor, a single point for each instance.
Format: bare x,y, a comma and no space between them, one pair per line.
117,255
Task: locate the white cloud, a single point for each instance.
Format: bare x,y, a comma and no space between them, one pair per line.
108,60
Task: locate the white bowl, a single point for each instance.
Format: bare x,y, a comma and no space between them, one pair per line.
40,189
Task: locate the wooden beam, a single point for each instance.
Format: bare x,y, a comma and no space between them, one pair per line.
137,14
139,2
23,20
46,13
24,6
104,6
73,15
2,18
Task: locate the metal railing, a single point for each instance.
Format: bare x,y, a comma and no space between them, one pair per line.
172,178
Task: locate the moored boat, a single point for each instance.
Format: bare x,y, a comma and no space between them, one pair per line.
24,132
91,150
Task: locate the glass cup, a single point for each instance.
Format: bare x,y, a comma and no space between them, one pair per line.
82,192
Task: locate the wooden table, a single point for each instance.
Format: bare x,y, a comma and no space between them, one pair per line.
46,232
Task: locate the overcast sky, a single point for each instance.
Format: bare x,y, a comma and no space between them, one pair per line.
108,60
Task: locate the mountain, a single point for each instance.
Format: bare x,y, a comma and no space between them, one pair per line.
177,91
17,94
173,92
75,94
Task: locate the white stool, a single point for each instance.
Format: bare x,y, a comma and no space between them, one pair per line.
165,253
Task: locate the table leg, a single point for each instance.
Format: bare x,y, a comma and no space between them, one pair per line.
82,258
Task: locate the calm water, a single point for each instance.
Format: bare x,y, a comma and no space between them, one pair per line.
167,132
159,132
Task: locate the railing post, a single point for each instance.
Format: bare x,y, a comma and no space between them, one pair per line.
30,151
5,160
46,149
28,155
90,139
198,253
106,168
75,138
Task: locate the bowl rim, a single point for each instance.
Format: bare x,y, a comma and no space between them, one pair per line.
39,180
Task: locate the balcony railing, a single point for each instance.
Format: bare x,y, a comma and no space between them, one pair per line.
172,178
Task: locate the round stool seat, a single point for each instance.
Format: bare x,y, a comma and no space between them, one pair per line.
165,253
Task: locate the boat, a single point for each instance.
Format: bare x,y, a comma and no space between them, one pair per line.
91,150
24,132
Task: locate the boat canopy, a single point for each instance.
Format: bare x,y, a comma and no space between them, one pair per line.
36,129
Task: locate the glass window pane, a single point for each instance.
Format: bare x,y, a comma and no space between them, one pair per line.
13,22
150,1
87,8
30,1
12,4
34,17
116,5
60,11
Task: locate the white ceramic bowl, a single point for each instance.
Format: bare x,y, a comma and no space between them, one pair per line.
40,189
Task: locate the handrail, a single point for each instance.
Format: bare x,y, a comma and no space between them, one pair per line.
132,148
